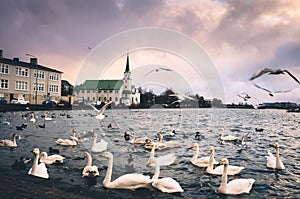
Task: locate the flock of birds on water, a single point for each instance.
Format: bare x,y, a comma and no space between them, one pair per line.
134,181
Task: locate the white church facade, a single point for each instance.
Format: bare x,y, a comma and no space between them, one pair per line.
119,91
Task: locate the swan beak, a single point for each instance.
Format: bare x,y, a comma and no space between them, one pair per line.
103,155
222,162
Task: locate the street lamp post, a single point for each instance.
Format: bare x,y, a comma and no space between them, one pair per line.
36,77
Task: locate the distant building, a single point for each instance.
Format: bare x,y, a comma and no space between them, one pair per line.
119,91
32,81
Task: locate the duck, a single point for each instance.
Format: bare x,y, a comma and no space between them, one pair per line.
42,126
126,136
274,162
129,181
200,162
51,159
231,170
228,137
21,164
89,170
39,170
167,184
66,142
98,147
100,115
52,150
9,143
236,186
165,160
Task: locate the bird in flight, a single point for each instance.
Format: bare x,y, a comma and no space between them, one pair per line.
158,69
244,96
273,72
270,92
100,114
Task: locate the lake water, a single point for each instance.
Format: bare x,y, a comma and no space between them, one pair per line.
279,126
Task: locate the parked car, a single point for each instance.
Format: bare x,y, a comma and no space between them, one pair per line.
50,103
3,100
19,100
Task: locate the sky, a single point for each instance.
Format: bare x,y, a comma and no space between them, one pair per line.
212,47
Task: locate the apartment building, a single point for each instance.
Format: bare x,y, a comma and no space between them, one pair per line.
32,81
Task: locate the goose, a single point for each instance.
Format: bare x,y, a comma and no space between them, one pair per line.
200,162
236,186
98,147
66,142
100,115
165,160
274,161
9,143
231,170
39,170
167,184
51,159
89,170
228,137
130,181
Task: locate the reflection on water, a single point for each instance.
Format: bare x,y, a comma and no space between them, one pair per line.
278,126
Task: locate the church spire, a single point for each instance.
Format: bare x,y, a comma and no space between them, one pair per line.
127,65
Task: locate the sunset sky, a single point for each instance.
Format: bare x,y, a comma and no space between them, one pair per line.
238,37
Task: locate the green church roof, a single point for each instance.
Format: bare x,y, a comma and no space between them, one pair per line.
100,85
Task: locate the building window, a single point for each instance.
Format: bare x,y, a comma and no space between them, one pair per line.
41,74
21,85
110,91
40,87
4,83
53,76
116,99
53,88
116,91
3,69
82,91
88,91
23,72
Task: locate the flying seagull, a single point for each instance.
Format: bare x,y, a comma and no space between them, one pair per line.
244,96
158,69
270,92
100,114
273,72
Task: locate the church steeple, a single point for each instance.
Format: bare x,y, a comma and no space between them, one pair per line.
127,65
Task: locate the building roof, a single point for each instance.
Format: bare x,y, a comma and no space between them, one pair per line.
100,85
127,69
16,62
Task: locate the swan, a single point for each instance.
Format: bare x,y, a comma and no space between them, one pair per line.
200,162
231,170
167,185
135,140
47,118
228,137
44,158
39,170
100,115
158,145
236,186
165,160
130,181
274,161
98,147
89,170
66,142
9,143
161,145
33,120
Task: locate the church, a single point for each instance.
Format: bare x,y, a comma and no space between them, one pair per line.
119,91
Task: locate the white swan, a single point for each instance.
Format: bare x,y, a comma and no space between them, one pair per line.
9,143
162,145
130,181
89,170
135,140
274,161
98,147
164,160
167,185
231,170
39,170
44,158
66,142
100,115
228,137
200,162
236,186
33,120
158,145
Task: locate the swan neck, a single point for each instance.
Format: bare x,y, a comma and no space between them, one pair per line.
196,153
35,163
157,170
107,178
152,152
224,177
14,140
89,160
277,158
